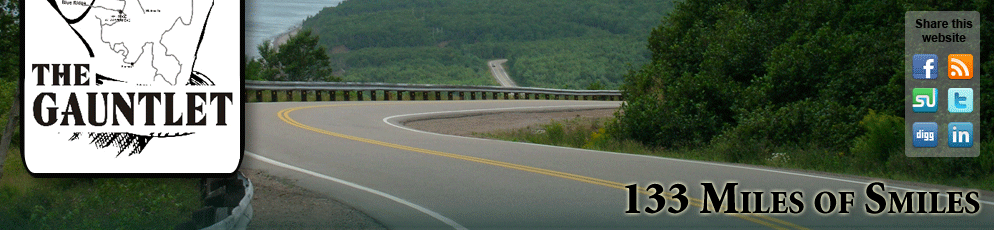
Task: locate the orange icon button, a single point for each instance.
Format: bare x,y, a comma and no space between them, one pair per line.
960,66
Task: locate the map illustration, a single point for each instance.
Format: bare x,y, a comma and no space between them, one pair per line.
132,86
154,41
144,38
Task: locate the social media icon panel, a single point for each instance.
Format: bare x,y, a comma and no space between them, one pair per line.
960,100
924,66
960,134
924,100
924,134
960,66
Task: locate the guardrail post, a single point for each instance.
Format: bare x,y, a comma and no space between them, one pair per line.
397,91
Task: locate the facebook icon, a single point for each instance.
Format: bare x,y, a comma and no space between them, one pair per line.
924,66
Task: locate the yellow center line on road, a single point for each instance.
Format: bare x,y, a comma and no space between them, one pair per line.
285,116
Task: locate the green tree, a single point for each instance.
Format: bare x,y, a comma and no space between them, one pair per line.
300,58
253,70
10,40
750,69
10,73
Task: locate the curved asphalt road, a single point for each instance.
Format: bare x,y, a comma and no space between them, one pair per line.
497,69
357,152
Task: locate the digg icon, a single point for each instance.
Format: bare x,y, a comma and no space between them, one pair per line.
924,134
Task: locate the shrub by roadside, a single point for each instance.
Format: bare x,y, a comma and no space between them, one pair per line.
93,203
878,152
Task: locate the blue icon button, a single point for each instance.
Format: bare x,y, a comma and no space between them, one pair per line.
924,66
960,134
924,134
960,100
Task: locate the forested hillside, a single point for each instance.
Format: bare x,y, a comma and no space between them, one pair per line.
547,43
817,80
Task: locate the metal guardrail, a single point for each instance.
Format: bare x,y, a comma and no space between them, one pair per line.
347,89
239,216
227,204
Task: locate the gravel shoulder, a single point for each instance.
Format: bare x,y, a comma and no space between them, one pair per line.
279,204
486,123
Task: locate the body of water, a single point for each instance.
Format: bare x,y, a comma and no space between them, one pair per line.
265,19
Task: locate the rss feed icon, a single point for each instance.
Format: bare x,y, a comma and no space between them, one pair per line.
132,86
960,66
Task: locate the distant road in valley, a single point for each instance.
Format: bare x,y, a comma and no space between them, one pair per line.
497,70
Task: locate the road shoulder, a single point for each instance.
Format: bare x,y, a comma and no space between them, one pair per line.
280,204
499,121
